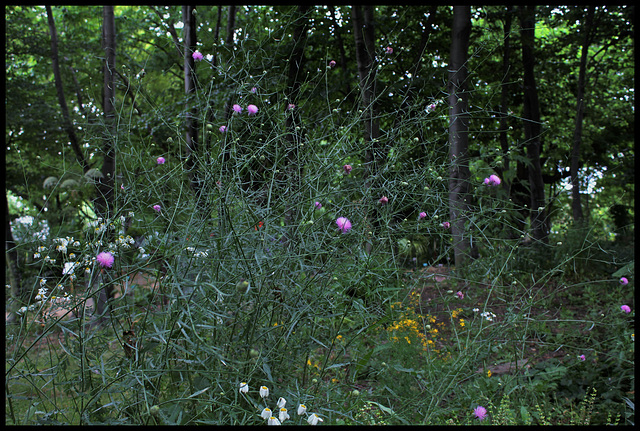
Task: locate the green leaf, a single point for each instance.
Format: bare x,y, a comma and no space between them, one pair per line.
625,270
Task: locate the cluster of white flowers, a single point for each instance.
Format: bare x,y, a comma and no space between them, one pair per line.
202,253
98,225
125,241
63,243
39,250
488,315
282,414
41,296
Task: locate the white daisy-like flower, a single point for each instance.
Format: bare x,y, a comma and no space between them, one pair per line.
273,421
244,387
301,409
313,419
264,391
266,413
283,415
281,402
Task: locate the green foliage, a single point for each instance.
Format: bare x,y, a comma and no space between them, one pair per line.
246,280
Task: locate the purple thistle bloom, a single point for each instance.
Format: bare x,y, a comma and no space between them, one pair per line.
237,108
344,224
625,308
161,160
446,225
624,281
197,56
388,50
156,207
347,169
494,180
383,200
332,63
422,215
582,357
480,413
252,109
105,259
223,129
318,205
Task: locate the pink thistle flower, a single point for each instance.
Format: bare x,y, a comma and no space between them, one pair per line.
105,259
446,225
332,64
223,129
197,56
422,215
156,207
252,109
625,308
388,50
480,413
383,200
486,181
343,224
318,205
624,281
582,358
494,180
254,90
237,108
347,169
460,295
291,106
161,160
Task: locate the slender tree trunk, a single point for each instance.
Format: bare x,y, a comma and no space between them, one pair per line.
458,135
343,56
226,169
228,43
576,205
364,35
216,35
103,202
62,101
189,20
20,297
532,125
294,135
504,96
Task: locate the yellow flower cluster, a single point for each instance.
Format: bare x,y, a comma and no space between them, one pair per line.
413,326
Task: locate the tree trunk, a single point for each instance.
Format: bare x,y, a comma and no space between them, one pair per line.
226,168
216,36
189,20
364,35
104,200
576,205
19,297
343,56
292,126
504,97
458,135
62,101
532,126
